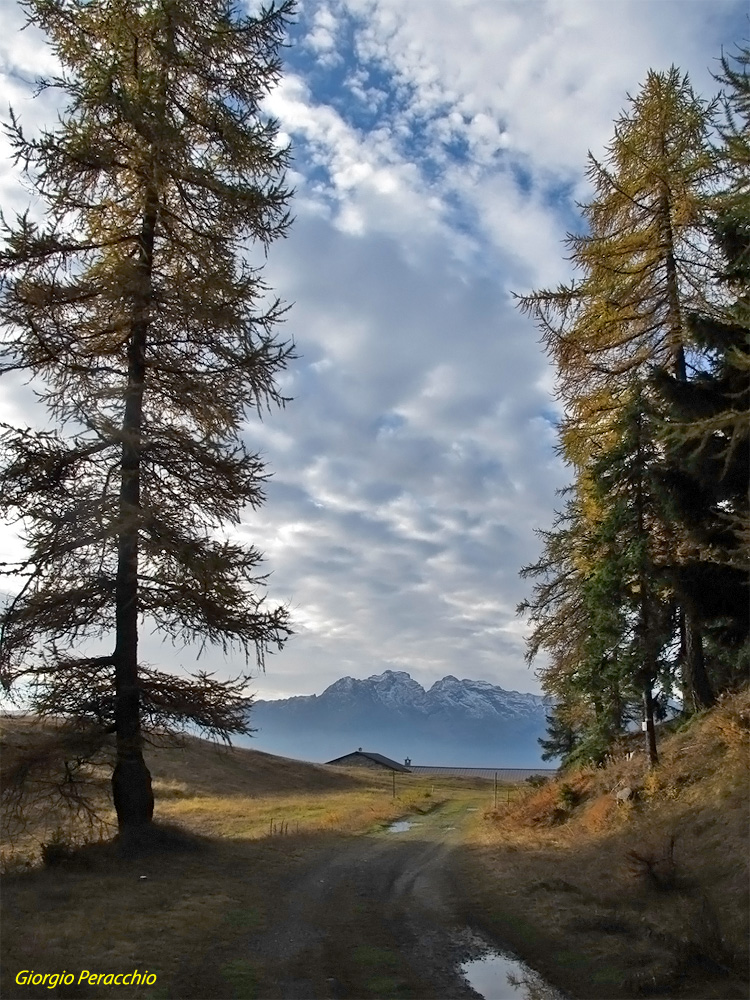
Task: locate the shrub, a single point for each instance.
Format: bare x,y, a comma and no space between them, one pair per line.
568,797
654,865
537,780
57,850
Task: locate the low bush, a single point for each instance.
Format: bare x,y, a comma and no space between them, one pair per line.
57,850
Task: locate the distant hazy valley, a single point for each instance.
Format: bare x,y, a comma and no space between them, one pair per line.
454,722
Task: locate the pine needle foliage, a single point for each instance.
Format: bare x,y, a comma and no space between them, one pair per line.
138,311
643,261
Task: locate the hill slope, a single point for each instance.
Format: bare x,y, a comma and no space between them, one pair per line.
202,766
645,894
606,898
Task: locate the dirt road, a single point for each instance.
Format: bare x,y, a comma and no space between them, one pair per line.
373,916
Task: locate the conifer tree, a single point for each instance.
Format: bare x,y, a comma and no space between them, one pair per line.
562,735
643,260
644,265
706,426
138,309
576,619
639,538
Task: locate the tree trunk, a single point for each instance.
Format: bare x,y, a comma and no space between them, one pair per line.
615,705
696,685
646,625
131,780
676,333
648,715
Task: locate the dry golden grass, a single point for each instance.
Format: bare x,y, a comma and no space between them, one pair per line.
240,817
192,779
228,792
243,822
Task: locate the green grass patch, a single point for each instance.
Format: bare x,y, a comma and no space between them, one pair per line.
380,971
372,957
243,978
245,919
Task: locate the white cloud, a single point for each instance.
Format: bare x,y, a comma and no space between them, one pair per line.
321,38
436,166
369,185
24,51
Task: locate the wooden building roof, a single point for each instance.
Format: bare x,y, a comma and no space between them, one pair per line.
377,758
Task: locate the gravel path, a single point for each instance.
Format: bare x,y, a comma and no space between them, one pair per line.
372,915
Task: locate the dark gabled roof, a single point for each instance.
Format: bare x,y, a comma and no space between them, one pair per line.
386,761
377,757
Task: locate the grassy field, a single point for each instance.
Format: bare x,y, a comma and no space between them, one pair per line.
233,824
607,898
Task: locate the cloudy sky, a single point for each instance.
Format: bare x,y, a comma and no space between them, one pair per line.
439,152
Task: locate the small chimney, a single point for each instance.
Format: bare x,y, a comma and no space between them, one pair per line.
407,761
359,749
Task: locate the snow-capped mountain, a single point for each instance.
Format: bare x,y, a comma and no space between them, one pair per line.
457,722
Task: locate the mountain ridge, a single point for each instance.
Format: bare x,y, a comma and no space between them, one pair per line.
458,722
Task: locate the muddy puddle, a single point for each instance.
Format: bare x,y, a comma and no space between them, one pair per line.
401,826
499,976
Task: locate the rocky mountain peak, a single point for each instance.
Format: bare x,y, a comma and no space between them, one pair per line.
393,677
459,721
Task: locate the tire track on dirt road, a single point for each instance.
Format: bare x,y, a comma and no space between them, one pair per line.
372,916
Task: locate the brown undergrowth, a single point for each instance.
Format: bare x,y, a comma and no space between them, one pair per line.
642,895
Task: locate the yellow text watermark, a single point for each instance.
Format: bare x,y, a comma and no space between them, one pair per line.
28,977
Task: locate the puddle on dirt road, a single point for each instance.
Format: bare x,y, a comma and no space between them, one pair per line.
401,826
497,976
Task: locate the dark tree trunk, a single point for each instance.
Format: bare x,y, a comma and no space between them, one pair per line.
131,780
646,625
648,716
615,705
596,700
696,685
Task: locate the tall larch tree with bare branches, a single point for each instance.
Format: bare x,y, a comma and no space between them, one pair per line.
138,310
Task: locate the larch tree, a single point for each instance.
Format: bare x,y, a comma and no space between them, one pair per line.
707,430
138,311
644,264
645,259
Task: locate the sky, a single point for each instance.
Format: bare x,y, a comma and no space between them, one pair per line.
439,154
